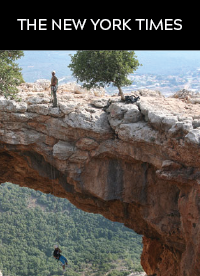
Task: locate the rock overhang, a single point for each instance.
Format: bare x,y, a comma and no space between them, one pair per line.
133,163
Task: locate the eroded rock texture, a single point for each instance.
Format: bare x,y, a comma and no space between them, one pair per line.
134,163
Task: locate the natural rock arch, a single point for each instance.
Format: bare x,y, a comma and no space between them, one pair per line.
132,163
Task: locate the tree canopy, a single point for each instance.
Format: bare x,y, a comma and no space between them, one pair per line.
32,222
10,73
102,68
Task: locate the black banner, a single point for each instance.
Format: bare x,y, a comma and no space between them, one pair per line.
126,33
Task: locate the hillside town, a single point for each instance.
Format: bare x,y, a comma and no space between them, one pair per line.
167,84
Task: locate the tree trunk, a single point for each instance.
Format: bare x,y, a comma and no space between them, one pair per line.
121,93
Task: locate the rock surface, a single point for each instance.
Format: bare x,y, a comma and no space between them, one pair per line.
134,163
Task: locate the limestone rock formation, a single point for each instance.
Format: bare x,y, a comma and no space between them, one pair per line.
134,163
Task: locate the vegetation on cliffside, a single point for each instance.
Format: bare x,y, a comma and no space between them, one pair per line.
10,73
31,222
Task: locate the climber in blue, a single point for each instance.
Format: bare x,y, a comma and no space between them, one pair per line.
59,257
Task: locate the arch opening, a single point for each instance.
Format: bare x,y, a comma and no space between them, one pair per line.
120,203
92,244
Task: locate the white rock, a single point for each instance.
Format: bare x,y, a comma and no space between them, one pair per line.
12,106
42,109
38,100
169,121
97,122
133,115
22,137
3,104
63,150
196,123
80,90
117,110
43,83
155,118
119,113
193,136
98,92
67,108
180,126
139,132
145,109
149,93
100,102
55,112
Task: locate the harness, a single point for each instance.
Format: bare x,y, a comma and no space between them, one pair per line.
56,254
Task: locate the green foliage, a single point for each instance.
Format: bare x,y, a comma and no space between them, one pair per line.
30,228
10,75
101,68
118,273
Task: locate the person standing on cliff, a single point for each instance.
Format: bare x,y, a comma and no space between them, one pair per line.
54,87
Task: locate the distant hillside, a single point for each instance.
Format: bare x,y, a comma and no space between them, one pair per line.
32,222
168,62
39,64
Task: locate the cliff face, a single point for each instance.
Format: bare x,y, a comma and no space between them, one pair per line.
135,164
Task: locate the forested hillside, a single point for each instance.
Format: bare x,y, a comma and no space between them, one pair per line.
32,222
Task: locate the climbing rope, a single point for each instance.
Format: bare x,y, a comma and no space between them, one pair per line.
53,177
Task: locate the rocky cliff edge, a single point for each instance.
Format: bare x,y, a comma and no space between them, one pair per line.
133,163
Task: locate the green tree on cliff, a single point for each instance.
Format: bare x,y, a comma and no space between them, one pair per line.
100,68
10,73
